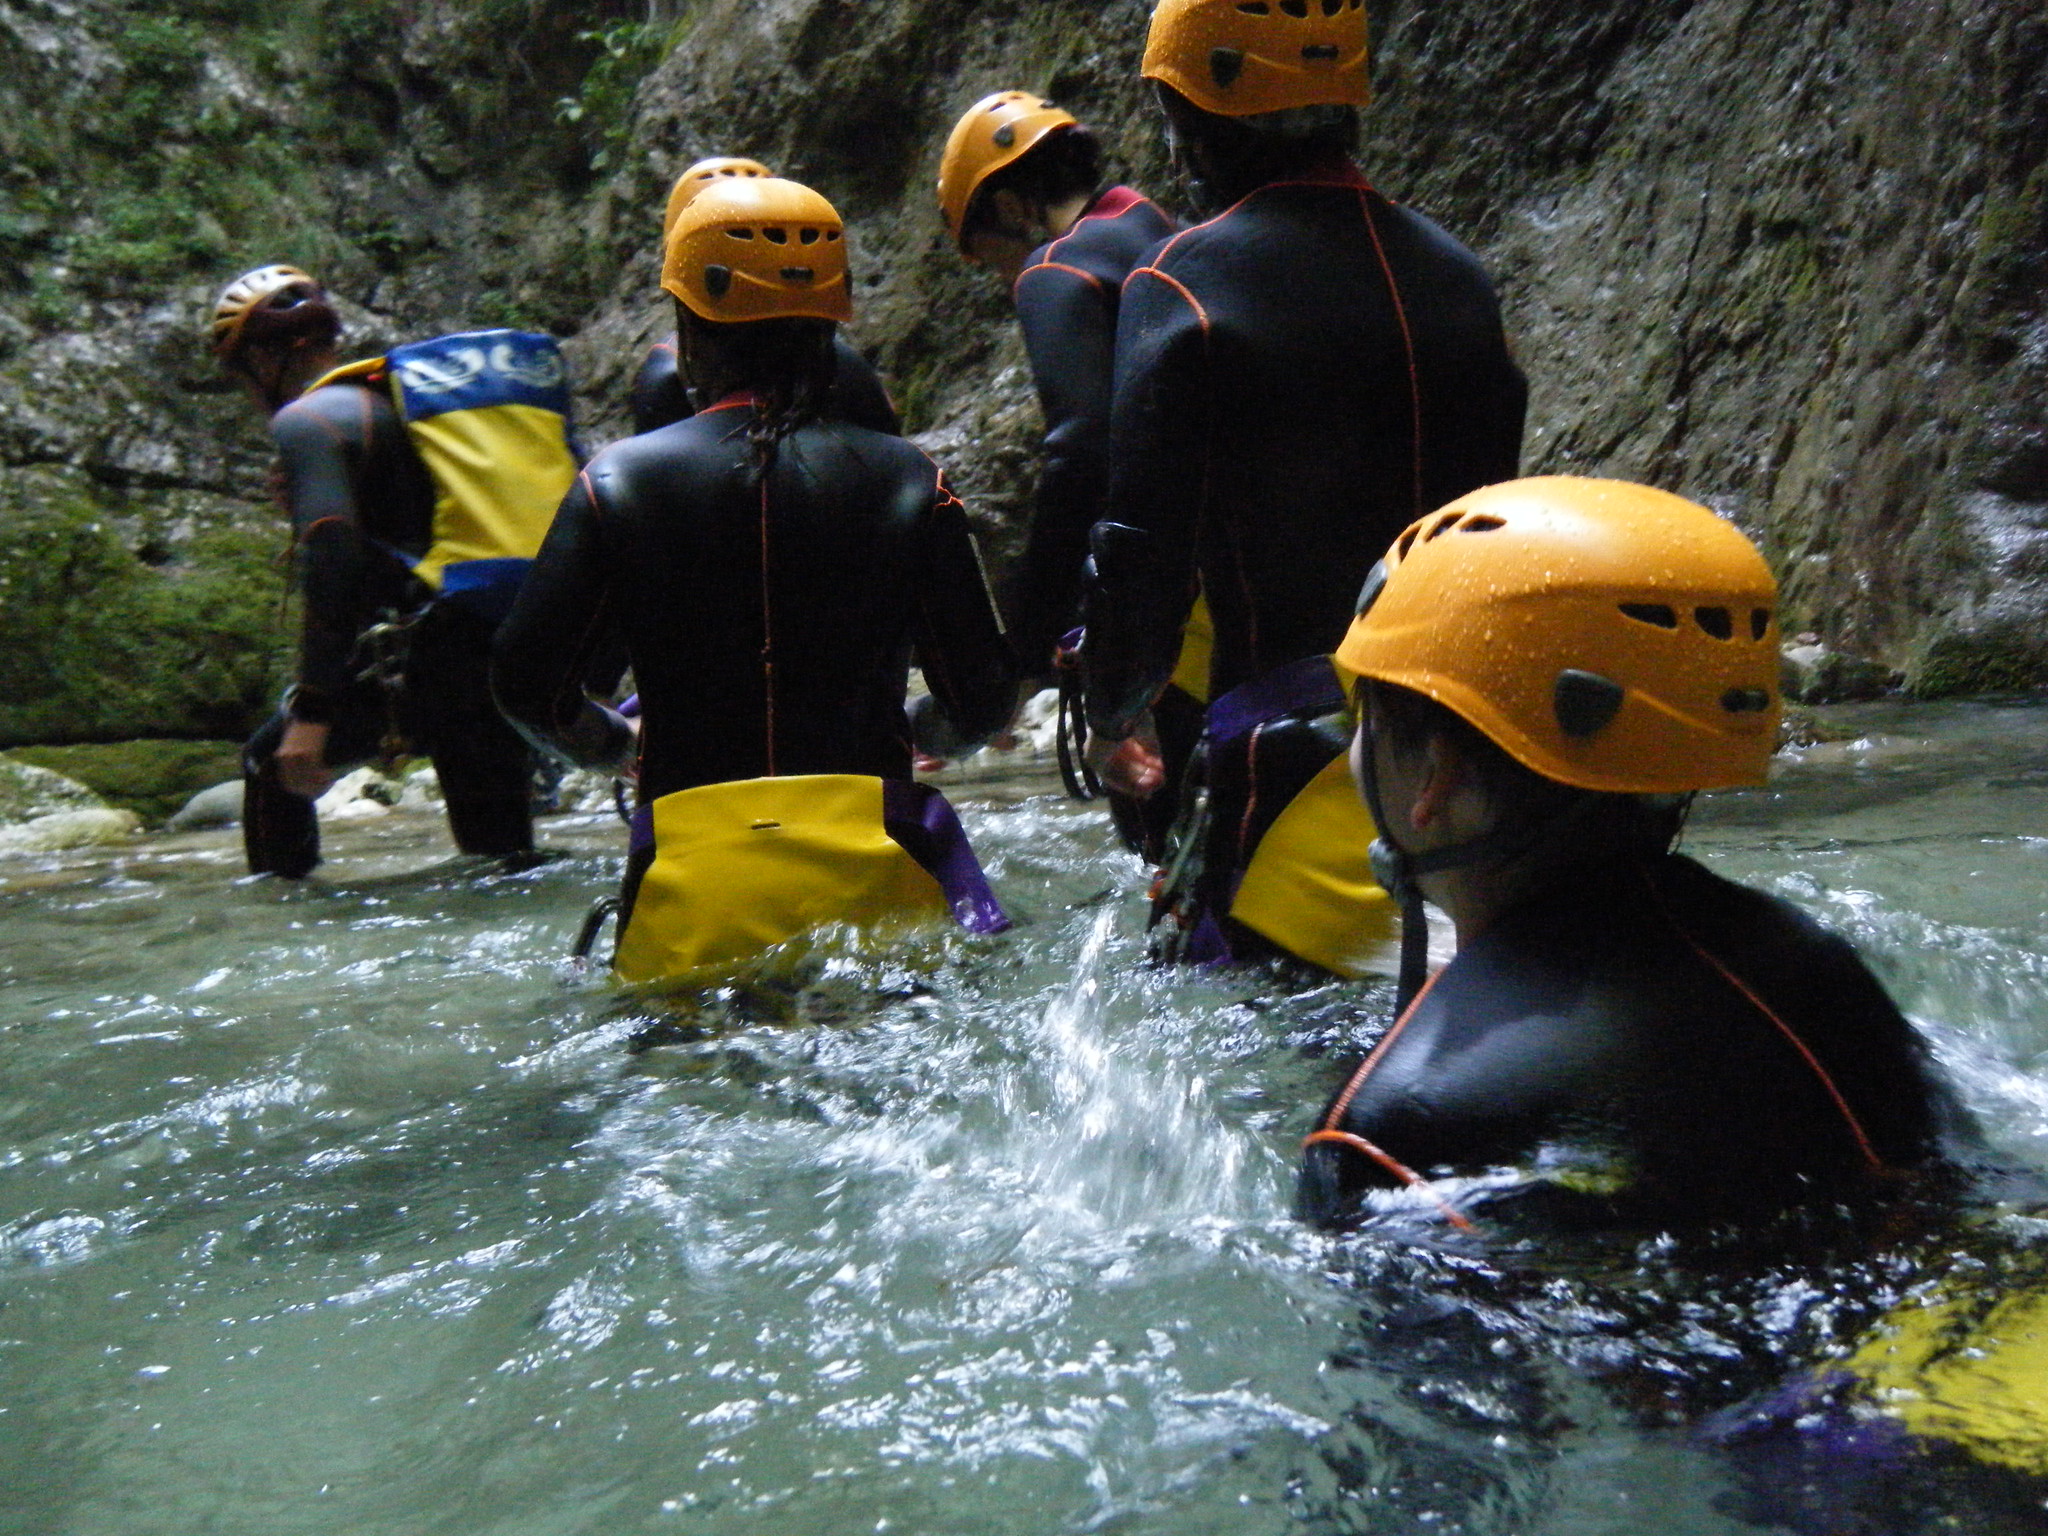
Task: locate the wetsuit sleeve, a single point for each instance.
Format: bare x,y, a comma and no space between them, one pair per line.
1141,575
658,394
959,641
1069,323
558,635
858,396
321,443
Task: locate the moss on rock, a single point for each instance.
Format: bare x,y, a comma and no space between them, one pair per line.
1995,659
176,633
151,778
28,790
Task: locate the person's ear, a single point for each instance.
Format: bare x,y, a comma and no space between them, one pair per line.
1443,775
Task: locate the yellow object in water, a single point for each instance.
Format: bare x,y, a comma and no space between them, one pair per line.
742,867
1197,647
1310,887
1951,1370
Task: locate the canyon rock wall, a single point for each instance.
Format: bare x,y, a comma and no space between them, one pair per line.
1791,261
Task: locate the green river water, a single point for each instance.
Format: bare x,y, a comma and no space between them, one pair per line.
344,1209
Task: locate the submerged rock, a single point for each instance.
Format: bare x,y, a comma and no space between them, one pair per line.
59,831
219,806
1810,673
360,795
28,790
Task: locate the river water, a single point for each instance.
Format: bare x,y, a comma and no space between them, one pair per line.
345,1208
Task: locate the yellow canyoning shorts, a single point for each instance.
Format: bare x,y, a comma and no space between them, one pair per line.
1309,886
1953,1369
740,868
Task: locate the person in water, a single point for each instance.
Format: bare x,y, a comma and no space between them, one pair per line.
1296,379
381,664
660,394
1022,195
772,572
1548,670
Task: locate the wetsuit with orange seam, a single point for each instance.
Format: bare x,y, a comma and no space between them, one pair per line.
1296,380
1066,300
1706,1048
857,394
362,508
770,624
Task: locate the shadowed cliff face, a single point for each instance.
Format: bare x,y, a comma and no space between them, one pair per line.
1790,261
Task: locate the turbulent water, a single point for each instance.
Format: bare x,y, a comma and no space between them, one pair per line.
346,1209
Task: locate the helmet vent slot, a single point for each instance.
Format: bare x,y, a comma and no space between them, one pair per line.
718,281
1759,622
831,235
1295,7
1255,7
799,275
1717,622
1584,702
1320,53
1659,614
1332,7
1005,136
1746,701
1225,65
739,234
776,236
809,237
1484,522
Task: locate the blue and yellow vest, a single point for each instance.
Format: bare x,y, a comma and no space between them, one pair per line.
488,413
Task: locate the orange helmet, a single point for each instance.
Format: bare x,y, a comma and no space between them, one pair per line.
996,131
1603,634
275,292
699,176
759,248
1238,58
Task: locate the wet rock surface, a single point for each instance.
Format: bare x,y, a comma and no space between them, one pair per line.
1788,261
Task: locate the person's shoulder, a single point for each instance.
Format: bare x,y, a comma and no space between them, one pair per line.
1443,246
1695,892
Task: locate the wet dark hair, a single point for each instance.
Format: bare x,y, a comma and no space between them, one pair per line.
787,364
1603,826
1241,154
1066,163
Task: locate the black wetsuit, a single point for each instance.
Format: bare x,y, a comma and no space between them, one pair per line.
1587,1030
1273,366
868,557
1066,301
362,509
857,395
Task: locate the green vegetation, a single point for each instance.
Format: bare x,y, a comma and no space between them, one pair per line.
626,52
96,643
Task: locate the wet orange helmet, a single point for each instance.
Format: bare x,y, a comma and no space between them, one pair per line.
1605,635
704,173
996,131
273,303
1238,58
759,248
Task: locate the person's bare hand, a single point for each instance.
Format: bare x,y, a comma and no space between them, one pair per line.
302,760
1130,767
